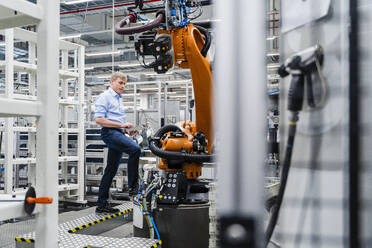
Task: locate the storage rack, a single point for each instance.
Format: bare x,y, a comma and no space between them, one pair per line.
67,191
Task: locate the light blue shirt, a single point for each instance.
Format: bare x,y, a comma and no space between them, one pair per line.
108,105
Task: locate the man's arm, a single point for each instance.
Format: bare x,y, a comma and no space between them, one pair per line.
107,123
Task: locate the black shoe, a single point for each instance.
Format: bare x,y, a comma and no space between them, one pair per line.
133,191
106,209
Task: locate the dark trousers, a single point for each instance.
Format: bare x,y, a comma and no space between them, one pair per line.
117,143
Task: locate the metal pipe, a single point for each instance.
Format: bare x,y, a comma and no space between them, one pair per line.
104,7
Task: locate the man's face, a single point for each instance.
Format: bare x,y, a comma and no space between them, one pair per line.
118,85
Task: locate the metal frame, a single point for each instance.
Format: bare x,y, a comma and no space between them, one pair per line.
161,84
10,67
44,109
15,13
241,44
65,130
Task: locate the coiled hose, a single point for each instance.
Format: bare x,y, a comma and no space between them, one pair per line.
155,147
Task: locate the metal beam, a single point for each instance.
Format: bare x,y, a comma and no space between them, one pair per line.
240,39
11,108
16,13
47,132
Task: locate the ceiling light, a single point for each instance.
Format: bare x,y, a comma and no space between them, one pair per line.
89,68
77,1
273,54
273,66
108,76
177,96
272,38
130,94
129,65
148,89
156,74
102,53
70,36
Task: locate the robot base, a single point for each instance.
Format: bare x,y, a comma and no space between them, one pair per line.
180,226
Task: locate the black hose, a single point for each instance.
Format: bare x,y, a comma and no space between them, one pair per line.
119,27
1,140
165,129
283,182
155,148
208,40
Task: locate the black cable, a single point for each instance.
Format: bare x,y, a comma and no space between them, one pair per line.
208,40
283,182
354,163
1,140
200,13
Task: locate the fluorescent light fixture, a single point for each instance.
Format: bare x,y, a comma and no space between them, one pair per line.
273,54
130,94
102,53
70,36
108,76
89,68
77,1
177,96
129,65
156,74
273,66
149,88
272,38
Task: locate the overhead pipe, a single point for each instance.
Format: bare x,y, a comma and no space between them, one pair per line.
105,7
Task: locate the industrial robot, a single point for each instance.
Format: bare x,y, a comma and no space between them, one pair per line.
171,202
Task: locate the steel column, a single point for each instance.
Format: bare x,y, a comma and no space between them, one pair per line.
241,112
32,135
47,132
9,91
81,123
64,117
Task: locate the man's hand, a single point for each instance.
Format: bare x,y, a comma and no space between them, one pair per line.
127,125
133,132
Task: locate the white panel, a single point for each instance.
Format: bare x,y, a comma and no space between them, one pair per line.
16,13
10,107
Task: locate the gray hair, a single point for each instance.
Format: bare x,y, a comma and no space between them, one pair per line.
117,75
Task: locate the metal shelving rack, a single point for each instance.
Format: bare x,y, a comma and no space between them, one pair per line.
74,195
45,13
67,191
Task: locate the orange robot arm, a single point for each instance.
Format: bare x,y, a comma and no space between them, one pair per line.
187,45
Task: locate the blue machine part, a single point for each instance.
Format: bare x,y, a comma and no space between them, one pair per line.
180,11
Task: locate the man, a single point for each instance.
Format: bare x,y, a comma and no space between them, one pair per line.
111,116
